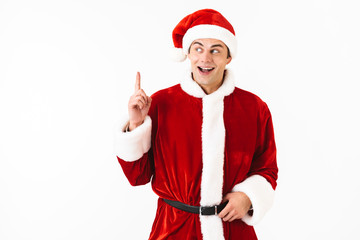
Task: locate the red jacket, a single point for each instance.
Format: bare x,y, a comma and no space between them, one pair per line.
196,148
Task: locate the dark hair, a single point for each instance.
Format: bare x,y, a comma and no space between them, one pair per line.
228,53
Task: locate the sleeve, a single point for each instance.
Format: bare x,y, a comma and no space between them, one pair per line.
133,151
260,183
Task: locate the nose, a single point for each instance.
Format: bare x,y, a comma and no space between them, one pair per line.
206,57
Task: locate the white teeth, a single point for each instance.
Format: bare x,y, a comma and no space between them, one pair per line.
205,69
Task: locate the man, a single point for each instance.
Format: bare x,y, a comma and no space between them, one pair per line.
206,146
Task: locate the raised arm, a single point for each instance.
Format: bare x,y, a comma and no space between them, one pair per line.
133,138
138,106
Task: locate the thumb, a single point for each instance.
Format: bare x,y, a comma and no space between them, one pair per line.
226,197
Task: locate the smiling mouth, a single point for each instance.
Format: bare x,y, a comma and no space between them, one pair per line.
205,70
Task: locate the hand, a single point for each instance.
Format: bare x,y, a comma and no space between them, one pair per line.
237,207
138,106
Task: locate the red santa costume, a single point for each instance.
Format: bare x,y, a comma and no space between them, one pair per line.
195,148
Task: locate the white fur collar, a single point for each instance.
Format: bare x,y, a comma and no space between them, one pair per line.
213,145
189,86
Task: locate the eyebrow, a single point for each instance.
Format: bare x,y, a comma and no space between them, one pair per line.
198,43
215,45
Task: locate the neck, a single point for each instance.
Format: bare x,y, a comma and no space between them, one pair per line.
208,89
189,86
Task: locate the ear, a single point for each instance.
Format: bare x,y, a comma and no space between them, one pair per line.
228,60
188,56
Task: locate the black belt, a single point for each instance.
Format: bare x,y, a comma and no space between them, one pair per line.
214,210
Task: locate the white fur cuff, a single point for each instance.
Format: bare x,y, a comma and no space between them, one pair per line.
261,195
131,146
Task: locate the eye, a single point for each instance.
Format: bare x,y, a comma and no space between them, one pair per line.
198,49
215,51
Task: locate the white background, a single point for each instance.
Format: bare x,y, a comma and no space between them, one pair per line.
67,69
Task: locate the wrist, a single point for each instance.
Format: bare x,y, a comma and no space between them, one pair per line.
131,126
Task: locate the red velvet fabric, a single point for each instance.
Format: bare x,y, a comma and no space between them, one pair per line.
174,162
201,17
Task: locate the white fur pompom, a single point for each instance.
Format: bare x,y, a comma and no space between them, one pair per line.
178,55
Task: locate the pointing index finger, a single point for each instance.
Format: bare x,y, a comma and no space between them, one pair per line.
137,83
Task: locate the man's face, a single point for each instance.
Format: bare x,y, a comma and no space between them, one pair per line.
208,58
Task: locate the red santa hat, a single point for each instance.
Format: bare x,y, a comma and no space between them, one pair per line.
205,23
